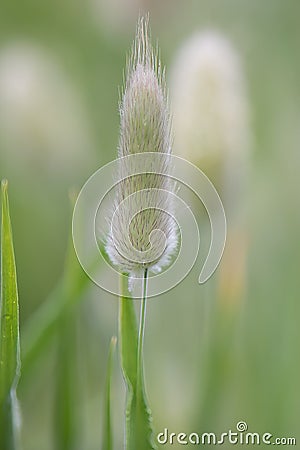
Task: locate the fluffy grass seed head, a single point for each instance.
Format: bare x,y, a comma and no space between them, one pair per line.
43,125
211,122
209,102
143,236
211,113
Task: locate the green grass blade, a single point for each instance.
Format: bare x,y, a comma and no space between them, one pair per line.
9,333
43,324
65,412
107,442
66,418
138,416
62,309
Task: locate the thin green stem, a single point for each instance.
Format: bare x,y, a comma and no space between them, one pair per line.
140,368
139,431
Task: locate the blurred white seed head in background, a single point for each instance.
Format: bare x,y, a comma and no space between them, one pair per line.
43,124
144,127
208,98
211,128
210,106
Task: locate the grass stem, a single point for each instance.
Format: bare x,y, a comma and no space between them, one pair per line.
140,368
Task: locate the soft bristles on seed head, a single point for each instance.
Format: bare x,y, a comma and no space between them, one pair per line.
144,127
145,119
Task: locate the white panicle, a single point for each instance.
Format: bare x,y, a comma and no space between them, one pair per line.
212,130
43,125
208,98
143,236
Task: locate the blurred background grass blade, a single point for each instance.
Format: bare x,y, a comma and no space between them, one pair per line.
66,415
66,421
43,324
9,334
138,416
65,411
107,442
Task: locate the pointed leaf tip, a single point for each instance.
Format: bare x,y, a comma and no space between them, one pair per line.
4,185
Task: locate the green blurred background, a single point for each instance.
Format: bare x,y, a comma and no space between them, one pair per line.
210,362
